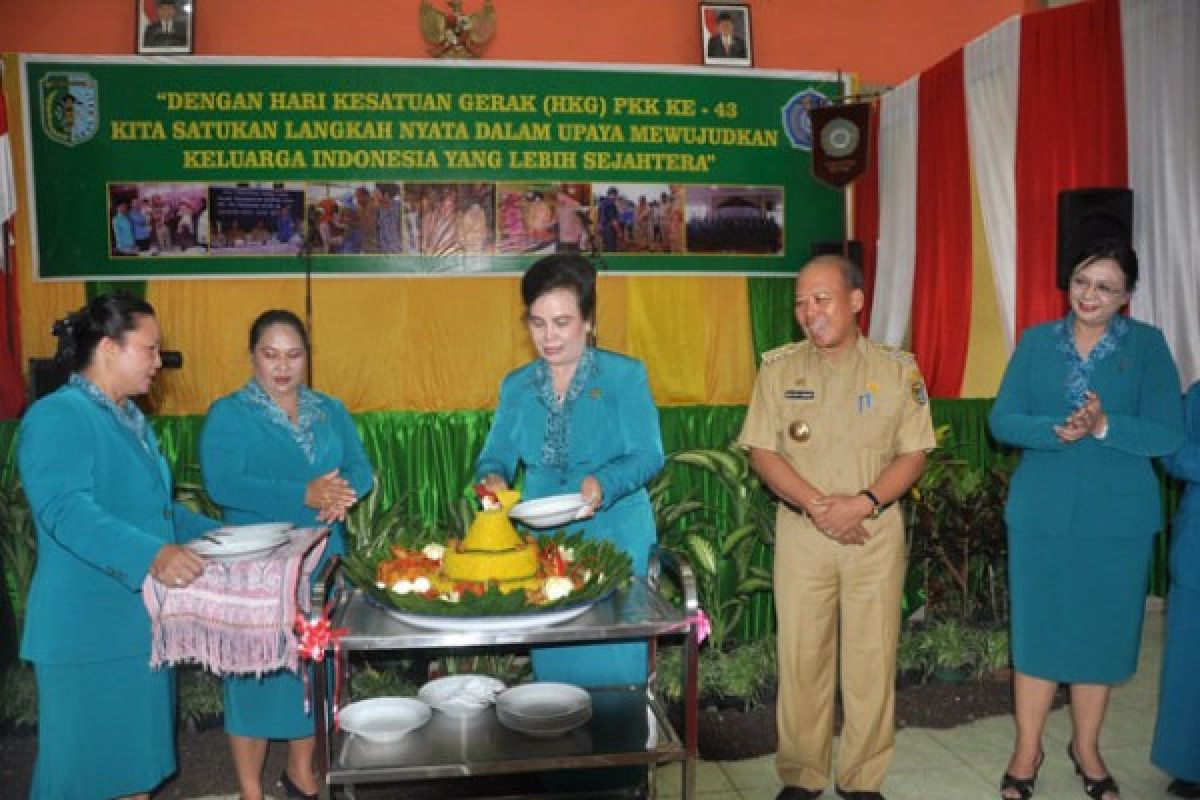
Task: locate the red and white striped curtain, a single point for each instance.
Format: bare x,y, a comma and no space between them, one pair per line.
1035,106
12,388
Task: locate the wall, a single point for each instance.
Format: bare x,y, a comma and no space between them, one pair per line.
883,41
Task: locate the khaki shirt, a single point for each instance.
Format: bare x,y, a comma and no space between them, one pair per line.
838,423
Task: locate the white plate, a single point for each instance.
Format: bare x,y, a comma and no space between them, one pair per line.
264,530
384,719
232,549
511,622
549,512
544,709
461,695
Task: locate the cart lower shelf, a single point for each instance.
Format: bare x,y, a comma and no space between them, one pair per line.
627,728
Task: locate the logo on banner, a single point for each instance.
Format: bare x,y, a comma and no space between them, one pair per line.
840,155
70,113
796,122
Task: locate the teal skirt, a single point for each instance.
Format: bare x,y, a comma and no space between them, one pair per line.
1077,605
105,729
270,707
1176,748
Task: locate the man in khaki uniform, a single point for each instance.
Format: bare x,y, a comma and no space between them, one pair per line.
838,428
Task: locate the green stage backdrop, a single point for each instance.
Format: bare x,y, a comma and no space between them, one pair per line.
237,167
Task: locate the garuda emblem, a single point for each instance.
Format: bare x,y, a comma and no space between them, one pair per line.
454,33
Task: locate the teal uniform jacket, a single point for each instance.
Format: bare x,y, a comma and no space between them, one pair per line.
102,506
1094,488
613,435
256,472
1176,746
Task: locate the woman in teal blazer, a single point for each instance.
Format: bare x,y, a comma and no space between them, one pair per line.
1177,731
1090,399
582,420
100,492
276,451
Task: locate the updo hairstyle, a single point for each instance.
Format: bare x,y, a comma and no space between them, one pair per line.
562,271
106,316
1117,250
278,316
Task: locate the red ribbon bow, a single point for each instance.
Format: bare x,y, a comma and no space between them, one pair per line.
315,636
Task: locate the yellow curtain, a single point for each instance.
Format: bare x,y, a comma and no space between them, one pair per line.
986,354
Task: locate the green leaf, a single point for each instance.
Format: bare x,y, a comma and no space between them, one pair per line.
736,537
751,585
704,557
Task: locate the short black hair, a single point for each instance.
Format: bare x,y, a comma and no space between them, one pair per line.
278,316
561,271
852,273
106,316
724,15
1116,249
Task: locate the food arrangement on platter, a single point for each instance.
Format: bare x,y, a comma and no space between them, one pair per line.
493,570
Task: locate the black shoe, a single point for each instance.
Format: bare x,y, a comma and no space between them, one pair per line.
1182,788
858,794
798,793
292,791
1094,788
1023,786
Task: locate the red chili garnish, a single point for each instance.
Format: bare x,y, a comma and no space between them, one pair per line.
484,493
553,560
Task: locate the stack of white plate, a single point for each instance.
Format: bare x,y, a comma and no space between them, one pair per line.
384,720
461,695
544,710
236,542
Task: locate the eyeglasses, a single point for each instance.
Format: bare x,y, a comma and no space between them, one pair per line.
1082,285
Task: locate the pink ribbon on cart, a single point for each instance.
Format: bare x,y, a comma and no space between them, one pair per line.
315,636
701,622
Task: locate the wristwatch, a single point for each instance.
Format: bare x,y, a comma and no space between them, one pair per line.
876,506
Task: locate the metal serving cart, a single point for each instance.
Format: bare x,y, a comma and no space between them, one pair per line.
629,725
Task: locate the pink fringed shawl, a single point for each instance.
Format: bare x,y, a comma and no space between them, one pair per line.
237,617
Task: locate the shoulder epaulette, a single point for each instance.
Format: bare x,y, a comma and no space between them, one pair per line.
896,354
779,352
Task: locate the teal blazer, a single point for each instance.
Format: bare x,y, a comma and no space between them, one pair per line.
102,506
1092,488
1184,464
256,471
614,436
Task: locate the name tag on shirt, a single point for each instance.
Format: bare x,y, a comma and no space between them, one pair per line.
799,394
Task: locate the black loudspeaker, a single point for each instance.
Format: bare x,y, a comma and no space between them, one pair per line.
1088,215
851,249
45,375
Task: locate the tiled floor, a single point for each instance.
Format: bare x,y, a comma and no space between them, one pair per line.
965,763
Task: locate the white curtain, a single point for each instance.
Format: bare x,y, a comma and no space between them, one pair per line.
1161,40
891,307
991,66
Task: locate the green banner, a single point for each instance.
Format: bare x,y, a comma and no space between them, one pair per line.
144,167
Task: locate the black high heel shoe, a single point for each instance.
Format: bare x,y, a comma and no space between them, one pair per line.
1094,788
292,791
1023,786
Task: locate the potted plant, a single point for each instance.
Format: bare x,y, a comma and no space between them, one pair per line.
948,646
737,698
720,538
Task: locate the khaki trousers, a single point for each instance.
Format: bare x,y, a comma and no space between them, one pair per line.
825,591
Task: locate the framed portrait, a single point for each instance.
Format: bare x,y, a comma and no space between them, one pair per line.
725,34
165,26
